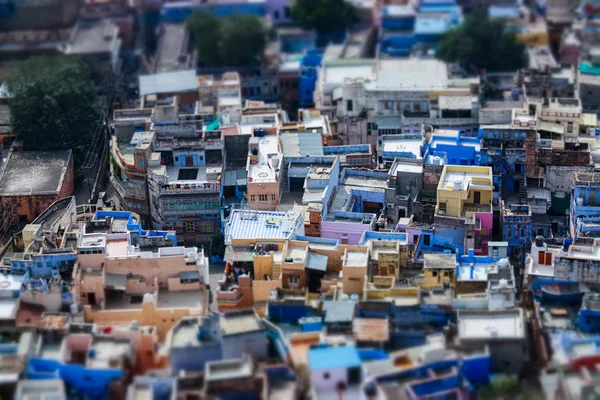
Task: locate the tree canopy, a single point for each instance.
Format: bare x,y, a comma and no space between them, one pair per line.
324,16
483,43
233,41
54,104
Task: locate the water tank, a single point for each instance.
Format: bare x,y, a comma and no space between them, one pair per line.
354,297
345,297
148,298
192,256
579,201
225,120
274,161
435,160
503,283
503,263
539,241
457,184
74,309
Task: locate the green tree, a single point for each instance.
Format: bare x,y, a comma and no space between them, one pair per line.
233,41
324,16
483,43
54,104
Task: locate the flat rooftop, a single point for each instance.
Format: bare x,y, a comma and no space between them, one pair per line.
401,145
337,71
356,258
250,224
89,37
263,170
467,177
491,325
412,74
34,173
168,82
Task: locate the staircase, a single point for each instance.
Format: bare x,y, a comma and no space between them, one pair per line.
285,185
503,189
276,271
523,191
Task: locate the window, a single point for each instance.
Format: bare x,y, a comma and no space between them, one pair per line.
287,12
509,231
252,197
387,105
326,375
477,197
276,15
523,231
189,226
349,105
417,107
272,197
569,127
263,197
434,274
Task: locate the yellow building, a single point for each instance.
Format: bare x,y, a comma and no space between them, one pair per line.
463,190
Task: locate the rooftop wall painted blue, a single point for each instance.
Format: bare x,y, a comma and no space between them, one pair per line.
317,240
347,149
89,382
457,153
330,357
372,354
373,236
283,313
44,264
180,11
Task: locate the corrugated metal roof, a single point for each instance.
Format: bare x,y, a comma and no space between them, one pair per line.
317,262
234,178
168,82
300,144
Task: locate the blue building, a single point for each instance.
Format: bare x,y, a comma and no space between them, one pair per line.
454,149
588,319
516,230
404,27
585,204
308,76
180,11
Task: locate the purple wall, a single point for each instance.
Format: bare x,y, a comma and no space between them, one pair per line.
276,11
337,230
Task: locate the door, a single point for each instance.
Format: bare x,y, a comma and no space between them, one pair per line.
477,197
189,161
91,298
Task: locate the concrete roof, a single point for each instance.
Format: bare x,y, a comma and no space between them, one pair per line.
234,323
173,42
300,144
168,82
491,325
412,73
92,37
34,172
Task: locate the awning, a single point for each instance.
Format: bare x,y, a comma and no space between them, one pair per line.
115,281
317,262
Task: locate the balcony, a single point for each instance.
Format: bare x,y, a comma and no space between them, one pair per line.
191,188
127,192
438,121
192,212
